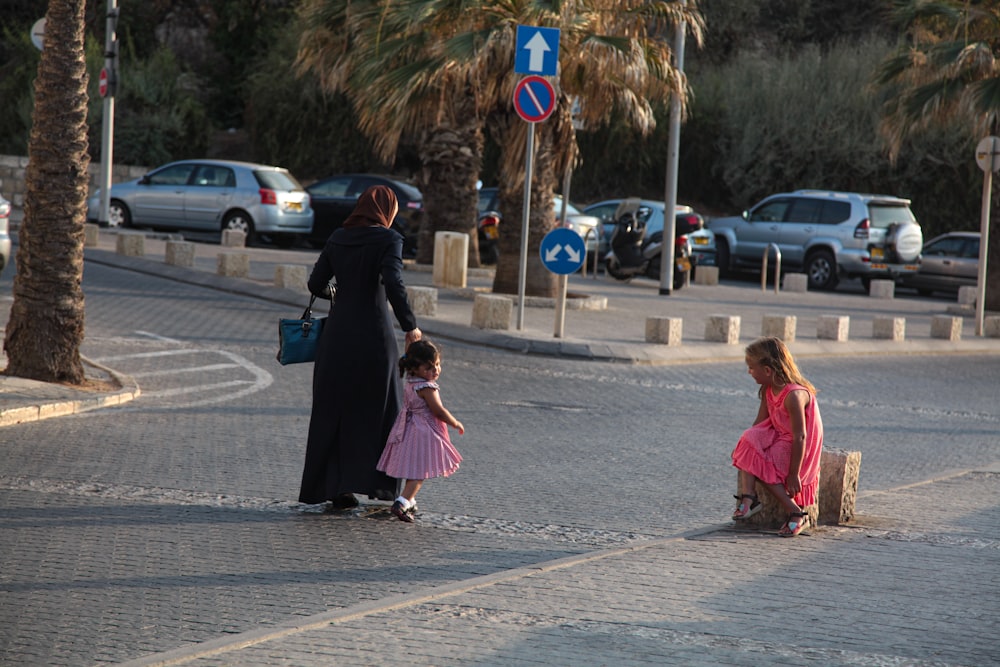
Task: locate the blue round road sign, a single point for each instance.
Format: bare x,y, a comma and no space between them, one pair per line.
562,251
534,99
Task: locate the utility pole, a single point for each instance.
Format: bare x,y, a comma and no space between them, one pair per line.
673,151
107,89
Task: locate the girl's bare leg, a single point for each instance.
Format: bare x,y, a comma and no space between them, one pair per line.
411,487
779,492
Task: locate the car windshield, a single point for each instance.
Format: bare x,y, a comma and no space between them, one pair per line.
276,180
883,215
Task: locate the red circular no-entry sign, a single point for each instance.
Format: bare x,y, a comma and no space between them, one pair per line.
534,99
102,85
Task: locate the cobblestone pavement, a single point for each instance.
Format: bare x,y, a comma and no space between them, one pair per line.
114,554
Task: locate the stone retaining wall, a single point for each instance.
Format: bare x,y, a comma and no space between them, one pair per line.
12,168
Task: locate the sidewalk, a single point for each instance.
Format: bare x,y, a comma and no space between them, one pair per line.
913,581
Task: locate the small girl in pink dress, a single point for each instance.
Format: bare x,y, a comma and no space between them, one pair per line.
418,446
782,448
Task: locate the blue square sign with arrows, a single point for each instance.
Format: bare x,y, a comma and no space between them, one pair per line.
537,50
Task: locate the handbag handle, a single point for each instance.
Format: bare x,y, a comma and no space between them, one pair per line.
307,314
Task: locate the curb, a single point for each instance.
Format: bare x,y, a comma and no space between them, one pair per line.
44,409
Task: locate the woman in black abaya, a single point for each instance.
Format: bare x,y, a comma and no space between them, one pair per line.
356,393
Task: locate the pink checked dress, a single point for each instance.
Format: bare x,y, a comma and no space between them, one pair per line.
764,450
418,446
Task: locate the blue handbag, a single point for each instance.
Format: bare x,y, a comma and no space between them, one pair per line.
297,339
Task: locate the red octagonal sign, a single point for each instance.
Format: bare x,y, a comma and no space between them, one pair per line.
102,86
534,99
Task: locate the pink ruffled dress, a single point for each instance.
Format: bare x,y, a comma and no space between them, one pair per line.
764,450
418,446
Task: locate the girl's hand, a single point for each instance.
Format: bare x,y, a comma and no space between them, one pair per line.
459,427
793,485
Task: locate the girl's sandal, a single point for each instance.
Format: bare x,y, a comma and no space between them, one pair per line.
746,510
796,523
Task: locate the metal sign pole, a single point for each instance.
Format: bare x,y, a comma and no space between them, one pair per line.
988,159
108,125
522,271
561,306
984,241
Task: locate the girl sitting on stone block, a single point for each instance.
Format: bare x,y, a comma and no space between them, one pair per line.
782,448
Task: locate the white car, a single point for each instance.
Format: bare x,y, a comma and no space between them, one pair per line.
212,195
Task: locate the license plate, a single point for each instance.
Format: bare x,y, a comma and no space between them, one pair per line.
700,240
491,232
684,264
877,254
294,206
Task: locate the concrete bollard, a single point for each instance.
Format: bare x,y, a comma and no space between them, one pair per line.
946,327
706,275
885,327
291,276
838,485
782,326
179,253
131,244
991,326
91,235
833,327
795,282
665,330
423,300
233,264
492,311
723,329
882,289
967,295
451,259
233,238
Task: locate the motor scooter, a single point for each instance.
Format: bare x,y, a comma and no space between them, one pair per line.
489,237
632,254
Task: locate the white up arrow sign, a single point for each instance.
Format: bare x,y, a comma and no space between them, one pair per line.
537,47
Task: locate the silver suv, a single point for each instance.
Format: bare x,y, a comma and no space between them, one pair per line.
828,235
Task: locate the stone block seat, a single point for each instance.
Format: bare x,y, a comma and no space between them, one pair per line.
838,490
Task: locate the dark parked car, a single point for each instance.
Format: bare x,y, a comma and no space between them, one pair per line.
334,198
211,196
947,262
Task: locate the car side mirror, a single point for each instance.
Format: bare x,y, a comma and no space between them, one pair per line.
746,215
144,180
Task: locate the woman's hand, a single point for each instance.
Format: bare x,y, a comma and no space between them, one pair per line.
413,336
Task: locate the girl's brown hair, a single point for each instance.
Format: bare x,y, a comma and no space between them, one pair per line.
772,352
419,352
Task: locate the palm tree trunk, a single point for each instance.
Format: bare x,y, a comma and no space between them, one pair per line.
452,157
555,146
46,324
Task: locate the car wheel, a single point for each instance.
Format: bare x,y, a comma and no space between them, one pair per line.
722,257
118,214
240,221
821,268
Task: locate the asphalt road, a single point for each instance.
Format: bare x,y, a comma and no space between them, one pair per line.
133,528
